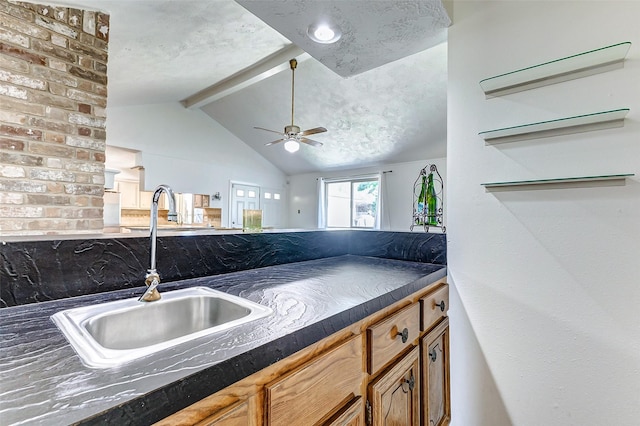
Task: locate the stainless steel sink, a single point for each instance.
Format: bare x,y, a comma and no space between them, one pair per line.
112,333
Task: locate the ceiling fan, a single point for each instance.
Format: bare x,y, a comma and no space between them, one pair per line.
292,135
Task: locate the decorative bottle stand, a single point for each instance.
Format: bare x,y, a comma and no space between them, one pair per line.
421,211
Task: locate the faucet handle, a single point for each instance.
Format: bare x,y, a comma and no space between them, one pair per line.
152,279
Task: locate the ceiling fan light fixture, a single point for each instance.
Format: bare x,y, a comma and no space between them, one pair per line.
292,135
292,145
324,33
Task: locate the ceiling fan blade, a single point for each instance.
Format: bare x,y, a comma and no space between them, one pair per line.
274,142
313,131
267,130
310,142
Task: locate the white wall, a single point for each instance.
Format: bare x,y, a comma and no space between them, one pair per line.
545,309
189,151
303,193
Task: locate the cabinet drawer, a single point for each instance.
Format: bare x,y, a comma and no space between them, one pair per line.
312,392
388,338
434,306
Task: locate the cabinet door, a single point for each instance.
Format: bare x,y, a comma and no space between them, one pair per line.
146,197
352,415
129,193
436,404
216,410
237,416
318,389
395,395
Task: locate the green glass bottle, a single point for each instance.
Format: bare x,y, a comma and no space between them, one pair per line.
432,203
422,198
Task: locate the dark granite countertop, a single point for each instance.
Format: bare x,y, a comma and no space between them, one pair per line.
42,380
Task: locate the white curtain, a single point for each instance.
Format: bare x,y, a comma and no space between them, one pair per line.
322,208
382,213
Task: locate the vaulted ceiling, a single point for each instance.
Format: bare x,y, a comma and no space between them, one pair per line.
380,90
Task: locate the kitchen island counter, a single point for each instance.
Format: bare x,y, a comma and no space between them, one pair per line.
43,381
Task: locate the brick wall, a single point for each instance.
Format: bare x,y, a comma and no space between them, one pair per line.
53,98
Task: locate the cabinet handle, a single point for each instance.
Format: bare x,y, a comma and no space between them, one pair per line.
433,354
411,381
442,306
404,334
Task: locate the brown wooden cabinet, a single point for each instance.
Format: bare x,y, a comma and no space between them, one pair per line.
394,397
317,389
351,415
436,401
391,368
238,415
200,200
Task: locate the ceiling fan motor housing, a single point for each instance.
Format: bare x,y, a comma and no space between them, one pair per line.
291,131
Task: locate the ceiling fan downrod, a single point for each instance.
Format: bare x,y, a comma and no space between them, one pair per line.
293,63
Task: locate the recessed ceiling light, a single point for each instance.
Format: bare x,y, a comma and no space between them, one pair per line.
323,33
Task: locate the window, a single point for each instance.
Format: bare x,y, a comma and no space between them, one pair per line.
351,203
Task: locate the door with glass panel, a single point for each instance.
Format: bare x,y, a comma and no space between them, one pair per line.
351,203
272,210
243,197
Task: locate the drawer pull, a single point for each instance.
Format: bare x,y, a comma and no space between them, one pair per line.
411,381
433,354
404,334
442,306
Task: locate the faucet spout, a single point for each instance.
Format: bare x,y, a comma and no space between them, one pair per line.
152,278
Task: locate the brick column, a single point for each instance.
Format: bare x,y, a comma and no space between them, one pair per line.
53,98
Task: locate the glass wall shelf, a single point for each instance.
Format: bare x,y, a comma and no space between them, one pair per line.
559,183
576,66
561,126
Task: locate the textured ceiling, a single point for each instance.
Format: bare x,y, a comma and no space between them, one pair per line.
373,32
395,111
166,50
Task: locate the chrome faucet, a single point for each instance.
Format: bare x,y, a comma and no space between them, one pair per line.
152,279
